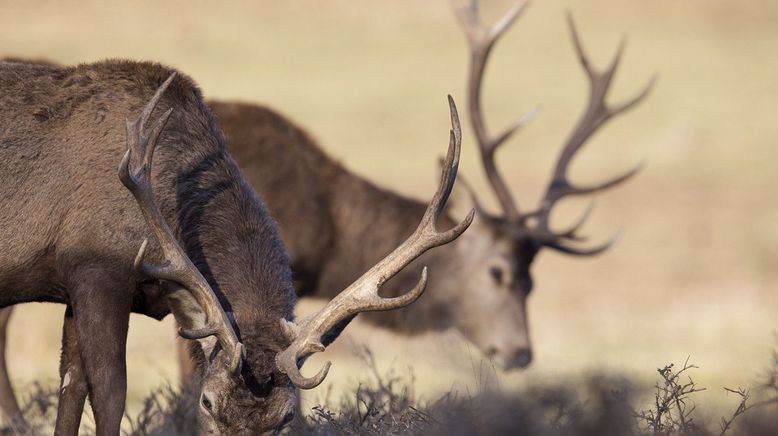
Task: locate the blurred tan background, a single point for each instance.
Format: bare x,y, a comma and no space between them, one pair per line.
694,274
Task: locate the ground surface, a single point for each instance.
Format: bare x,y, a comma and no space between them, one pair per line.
695,271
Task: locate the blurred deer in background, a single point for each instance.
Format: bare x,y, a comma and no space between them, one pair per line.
336,224
70,236
481,284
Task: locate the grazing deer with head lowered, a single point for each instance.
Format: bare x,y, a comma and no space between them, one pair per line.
70,234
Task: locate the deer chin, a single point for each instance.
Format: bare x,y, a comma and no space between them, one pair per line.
515,353
498,328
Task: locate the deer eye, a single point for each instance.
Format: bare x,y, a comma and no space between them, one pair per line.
206,403
496,273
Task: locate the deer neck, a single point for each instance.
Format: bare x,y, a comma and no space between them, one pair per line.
231,238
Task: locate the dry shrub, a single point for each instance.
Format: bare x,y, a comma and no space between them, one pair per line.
39,409
166,412
603,405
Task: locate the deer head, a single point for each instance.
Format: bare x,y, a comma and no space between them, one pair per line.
499,250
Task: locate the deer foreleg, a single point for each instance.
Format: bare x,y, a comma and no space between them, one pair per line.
8,404
101,313
73,386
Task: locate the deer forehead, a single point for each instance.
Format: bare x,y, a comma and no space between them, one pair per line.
480,243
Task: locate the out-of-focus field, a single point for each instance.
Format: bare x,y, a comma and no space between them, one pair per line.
695,273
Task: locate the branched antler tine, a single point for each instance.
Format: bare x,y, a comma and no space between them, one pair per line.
576,251
473,8
513,128
137,265
362,295
470,20
154,136
602,186
615,62
447,179
632,102
210,330
450,166
302,382
482,38
544,234
177,267
473,12
404,299
571,232
152,103
507,20
579,50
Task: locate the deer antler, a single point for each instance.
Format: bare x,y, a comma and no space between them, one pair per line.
481,40
596,114
362,295
177,268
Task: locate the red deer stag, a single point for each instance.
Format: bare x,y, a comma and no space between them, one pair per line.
70,235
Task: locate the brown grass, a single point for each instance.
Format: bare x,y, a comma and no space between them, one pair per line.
385,403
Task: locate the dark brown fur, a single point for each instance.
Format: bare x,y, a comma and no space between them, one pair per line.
70,231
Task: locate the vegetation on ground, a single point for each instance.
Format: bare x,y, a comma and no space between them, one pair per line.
600,405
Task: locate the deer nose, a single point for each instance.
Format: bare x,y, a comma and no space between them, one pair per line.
519,358
522,358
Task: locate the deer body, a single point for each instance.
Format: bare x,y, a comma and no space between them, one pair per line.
71,232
